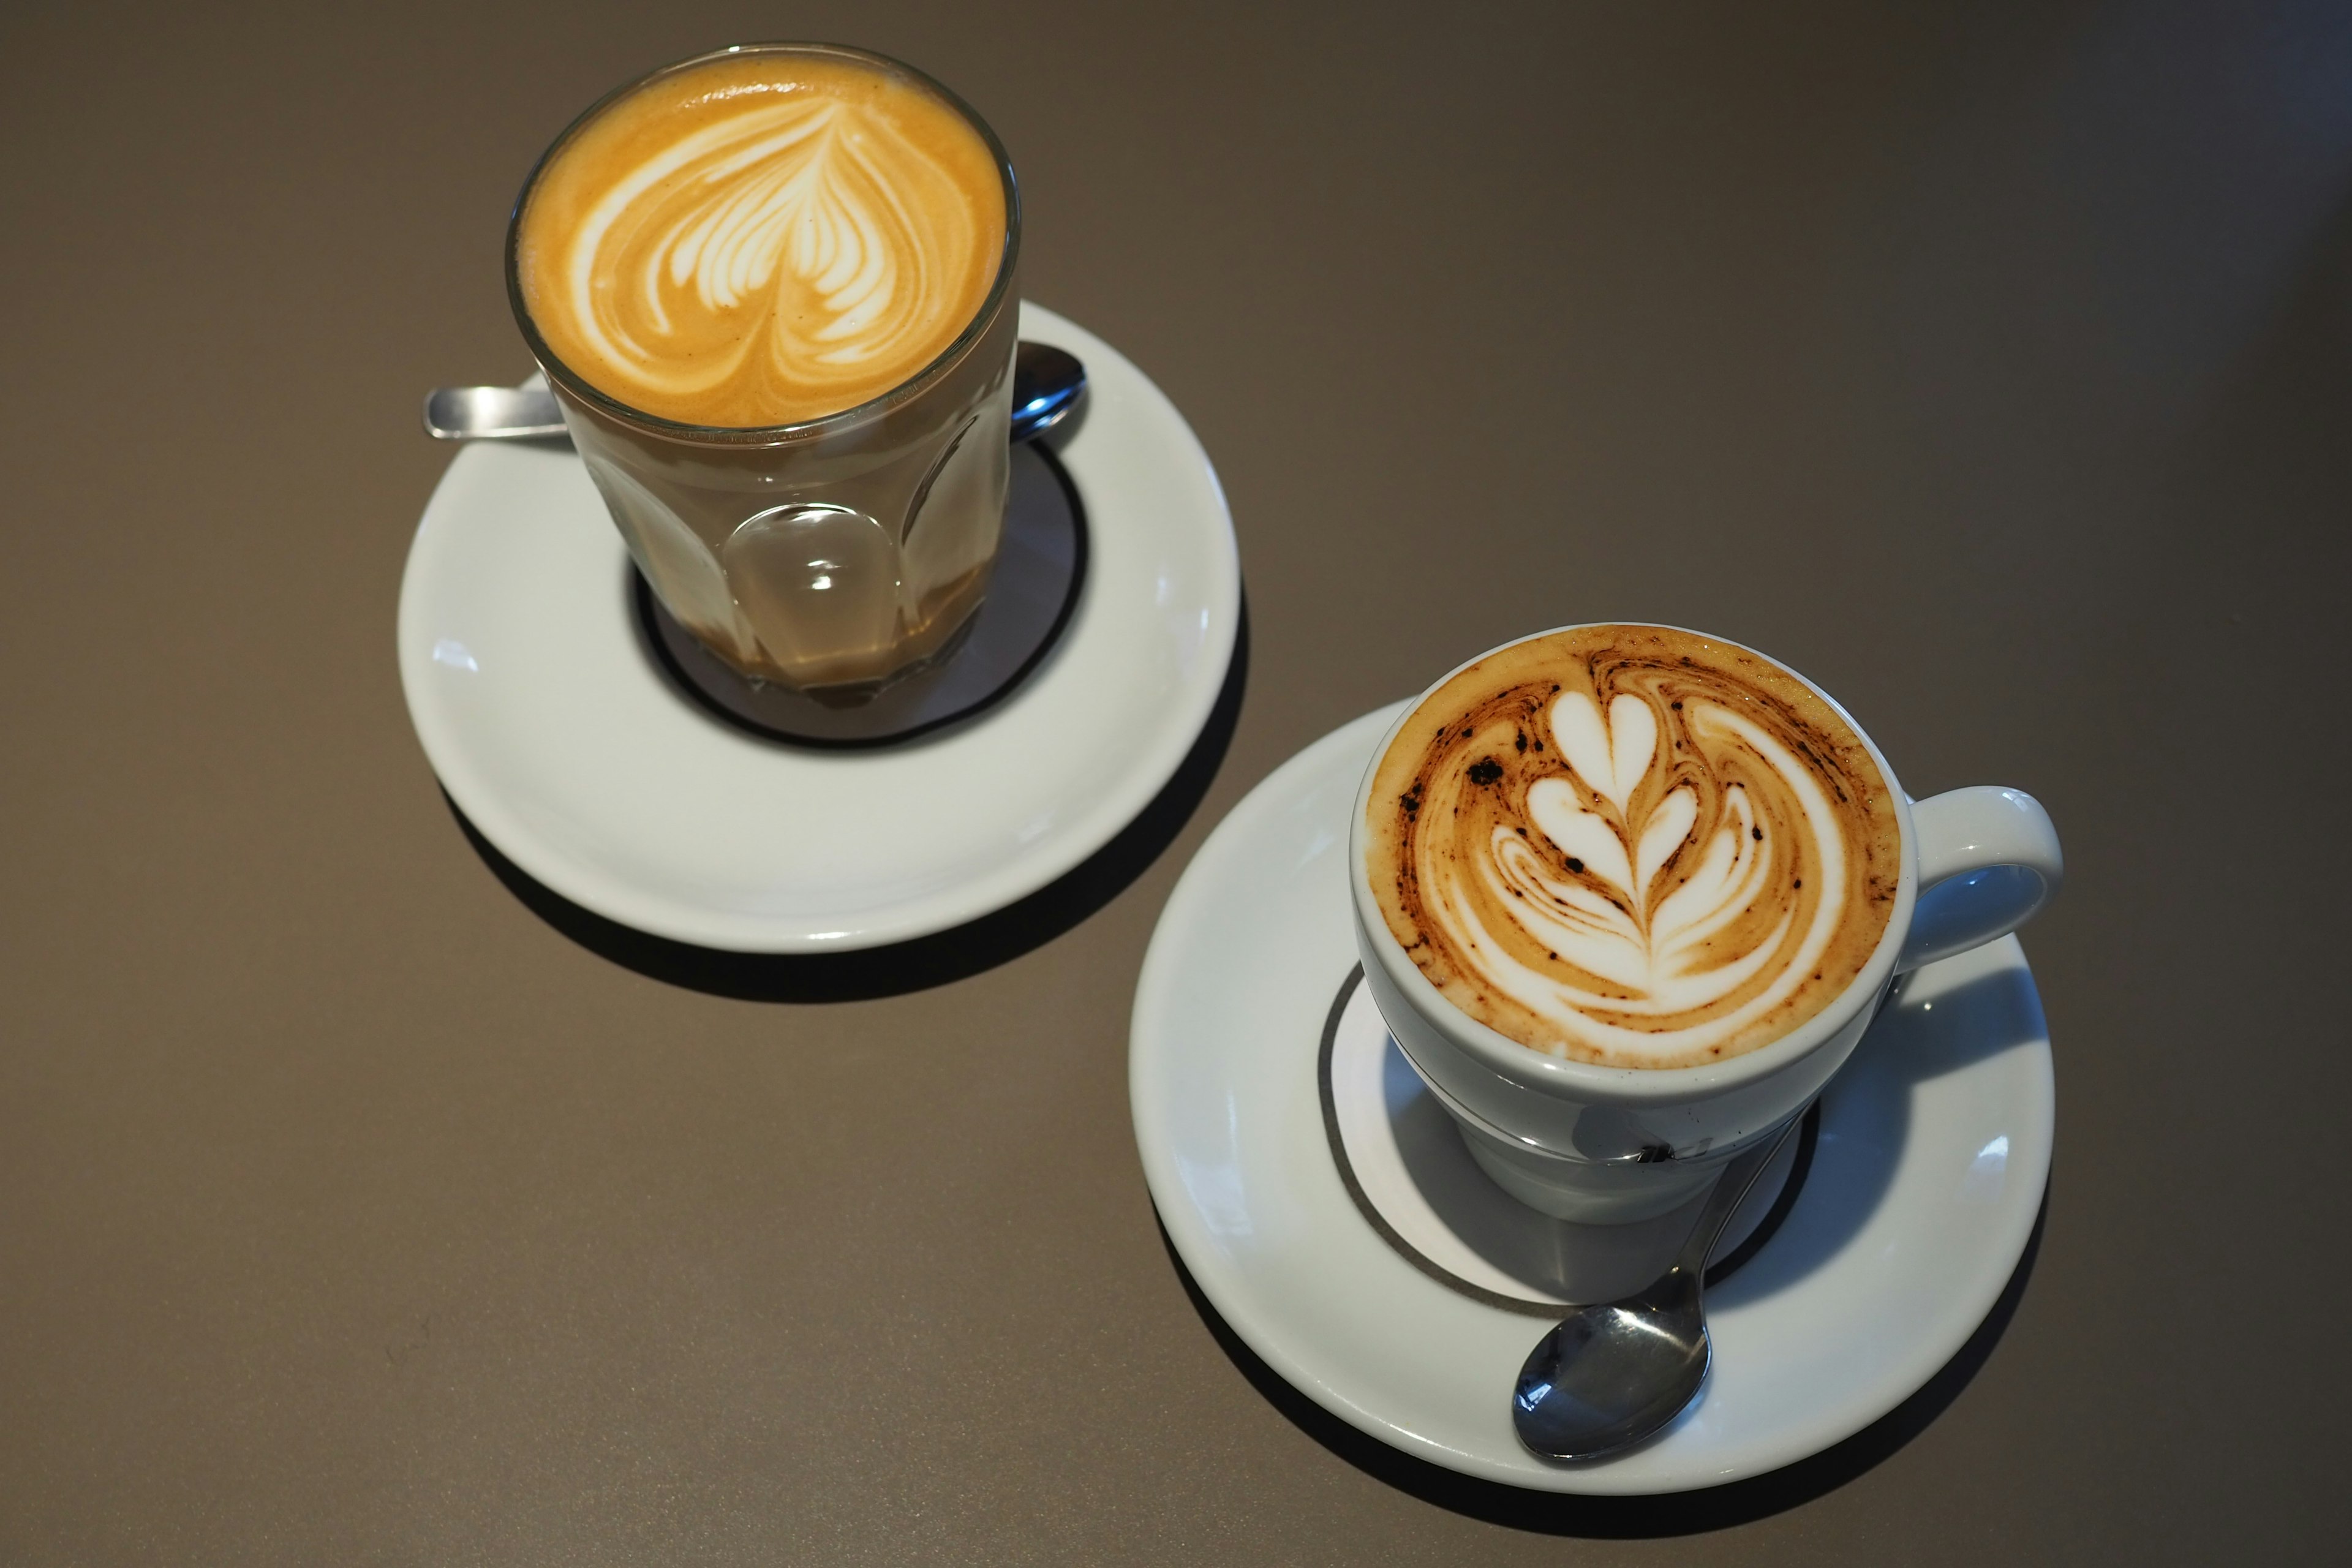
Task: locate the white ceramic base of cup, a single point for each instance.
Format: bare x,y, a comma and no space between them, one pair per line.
1580,1192
562,739
1933,1153
1040,572
1411,1169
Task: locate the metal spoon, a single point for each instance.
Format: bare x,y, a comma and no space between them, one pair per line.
1615,1372
525,413
1046,383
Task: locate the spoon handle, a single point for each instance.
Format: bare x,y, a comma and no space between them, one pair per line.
1046,384
1730,1191
525,413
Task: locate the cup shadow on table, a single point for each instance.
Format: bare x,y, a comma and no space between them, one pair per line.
925,961
1865,1123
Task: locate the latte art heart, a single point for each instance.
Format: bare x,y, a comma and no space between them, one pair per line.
755,242
1633,845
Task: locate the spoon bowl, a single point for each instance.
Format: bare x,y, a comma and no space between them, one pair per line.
1615,1372
1609,1375
1046,383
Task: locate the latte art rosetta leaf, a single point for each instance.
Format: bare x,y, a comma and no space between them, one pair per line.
1647,864
1646,937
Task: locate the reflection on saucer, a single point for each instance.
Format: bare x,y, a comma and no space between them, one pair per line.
1039,571
1404,1164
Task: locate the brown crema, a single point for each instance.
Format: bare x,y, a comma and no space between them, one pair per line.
762,239
1633,845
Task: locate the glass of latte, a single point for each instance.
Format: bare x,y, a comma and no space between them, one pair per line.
772,289
1628,896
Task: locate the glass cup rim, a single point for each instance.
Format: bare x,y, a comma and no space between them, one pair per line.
572,382
1514,1061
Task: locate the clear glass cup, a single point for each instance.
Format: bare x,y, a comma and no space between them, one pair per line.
837,555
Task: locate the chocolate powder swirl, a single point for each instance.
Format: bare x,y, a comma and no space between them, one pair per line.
1633,845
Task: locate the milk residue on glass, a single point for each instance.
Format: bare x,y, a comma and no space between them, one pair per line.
762,240
1633,847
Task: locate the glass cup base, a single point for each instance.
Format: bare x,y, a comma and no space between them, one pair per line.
1030,595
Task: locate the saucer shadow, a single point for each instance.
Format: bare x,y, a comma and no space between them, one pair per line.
925,961
1867,1112
1626,1517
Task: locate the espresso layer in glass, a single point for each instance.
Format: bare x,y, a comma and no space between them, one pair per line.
1633,845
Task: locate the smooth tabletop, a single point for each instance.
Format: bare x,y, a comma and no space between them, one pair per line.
1990,365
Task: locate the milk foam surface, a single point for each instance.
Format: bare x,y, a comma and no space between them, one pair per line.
1633,845
763,239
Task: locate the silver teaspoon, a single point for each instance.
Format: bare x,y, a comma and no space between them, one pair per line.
527,413
1046,383
1615,1372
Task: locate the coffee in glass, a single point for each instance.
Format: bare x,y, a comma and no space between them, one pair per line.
772,289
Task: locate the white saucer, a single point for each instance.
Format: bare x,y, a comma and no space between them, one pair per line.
1925,1181
557,735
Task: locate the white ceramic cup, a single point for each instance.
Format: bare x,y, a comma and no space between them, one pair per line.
1611,1145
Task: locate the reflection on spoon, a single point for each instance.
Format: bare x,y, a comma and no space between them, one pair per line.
1046,385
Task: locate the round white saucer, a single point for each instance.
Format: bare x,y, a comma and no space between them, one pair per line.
558,736
1926,1175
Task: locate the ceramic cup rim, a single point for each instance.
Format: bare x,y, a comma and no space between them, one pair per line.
572,383
1561,1078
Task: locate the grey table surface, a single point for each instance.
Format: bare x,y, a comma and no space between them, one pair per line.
1992,364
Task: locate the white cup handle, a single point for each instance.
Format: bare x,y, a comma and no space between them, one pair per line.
1989,860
